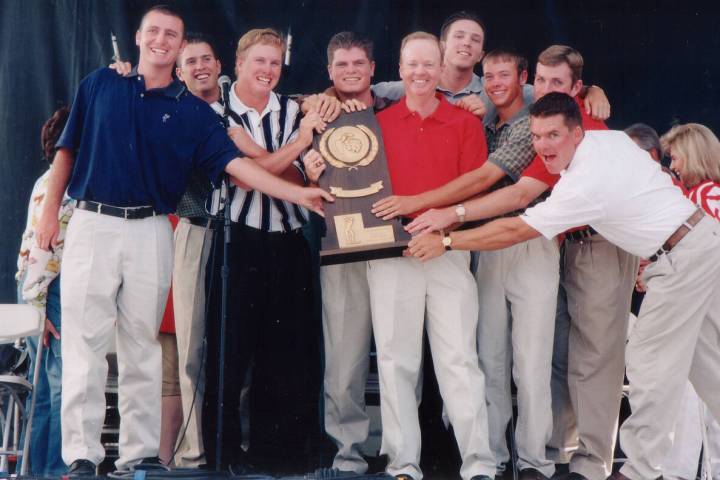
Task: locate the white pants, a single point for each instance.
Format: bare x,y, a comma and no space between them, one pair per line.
116,275
692,421
676,336
401,289
192,249
525,278
347,328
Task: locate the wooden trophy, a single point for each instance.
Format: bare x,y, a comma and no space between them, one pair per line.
357,176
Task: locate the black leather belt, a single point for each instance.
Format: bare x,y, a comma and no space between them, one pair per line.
578,235
679,234
128,213
202,222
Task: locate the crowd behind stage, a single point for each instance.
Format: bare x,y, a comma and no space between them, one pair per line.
534,230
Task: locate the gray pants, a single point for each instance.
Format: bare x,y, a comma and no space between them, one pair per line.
192,248
347,328
519,283
676,337
598,278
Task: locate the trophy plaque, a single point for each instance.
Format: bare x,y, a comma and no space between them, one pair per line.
357,176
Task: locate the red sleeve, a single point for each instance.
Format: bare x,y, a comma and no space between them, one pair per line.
474,149
537,170
589,123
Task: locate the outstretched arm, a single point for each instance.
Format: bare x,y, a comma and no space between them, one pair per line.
247,172
496,235
506,200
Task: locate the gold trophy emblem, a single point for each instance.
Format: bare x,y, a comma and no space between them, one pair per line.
350,147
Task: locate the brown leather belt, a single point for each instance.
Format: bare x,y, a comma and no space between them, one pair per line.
679,234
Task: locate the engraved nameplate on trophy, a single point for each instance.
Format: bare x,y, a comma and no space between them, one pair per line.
357,176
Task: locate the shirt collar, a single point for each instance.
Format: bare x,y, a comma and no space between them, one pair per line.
173,90
490,121
442,113
475,86
240,108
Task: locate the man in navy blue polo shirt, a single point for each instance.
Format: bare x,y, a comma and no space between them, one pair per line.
126,153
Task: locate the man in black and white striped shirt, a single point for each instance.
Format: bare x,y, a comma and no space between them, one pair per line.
270,323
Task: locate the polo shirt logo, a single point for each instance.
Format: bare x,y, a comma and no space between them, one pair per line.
165,117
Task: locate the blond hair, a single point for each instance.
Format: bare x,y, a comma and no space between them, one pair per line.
263,36
420,36
699,149
556,55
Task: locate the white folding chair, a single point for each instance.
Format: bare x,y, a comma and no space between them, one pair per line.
16,322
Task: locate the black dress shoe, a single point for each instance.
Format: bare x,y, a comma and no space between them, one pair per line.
618,476
239,469
571,476
531,474
151,463
481,477
81,468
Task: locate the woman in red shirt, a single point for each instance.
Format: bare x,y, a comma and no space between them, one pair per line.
695,153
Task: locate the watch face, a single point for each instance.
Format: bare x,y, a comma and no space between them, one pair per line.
447,241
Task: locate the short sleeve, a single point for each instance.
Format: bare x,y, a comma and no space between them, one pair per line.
392,91
474,150
528,94
215,152
71,134
562,210
516,152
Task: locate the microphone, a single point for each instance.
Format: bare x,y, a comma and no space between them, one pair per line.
288,47
224,84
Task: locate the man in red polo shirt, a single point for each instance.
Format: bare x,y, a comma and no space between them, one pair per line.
428,142
596,286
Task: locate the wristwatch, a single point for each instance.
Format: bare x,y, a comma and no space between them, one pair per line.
447,241
460,212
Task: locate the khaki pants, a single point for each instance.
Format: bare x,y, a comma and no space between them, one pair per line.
116,276
676,336
192,249
523,277
401,289
347,328
598,280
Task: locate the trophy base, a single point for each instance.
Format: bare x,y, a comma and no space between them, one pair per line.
362,253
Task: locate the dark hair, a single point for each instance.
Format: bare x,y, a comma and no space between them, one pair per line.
556,103
507,55
645,136
165,10
51,130
462,15
195,38
348,40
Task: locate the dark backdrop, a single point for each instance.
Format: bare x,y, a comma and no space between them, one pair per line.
656,60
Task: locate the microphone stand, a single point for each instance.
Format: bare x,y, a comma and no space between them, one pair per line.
225,278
